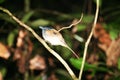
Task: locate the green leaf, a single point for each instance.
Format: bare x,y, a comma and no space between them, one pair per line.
78,62
3,71
39,77
119,63
62,74
11,37
81,27
1,1
116,77
87,18
113,30
27,16
6,18
113,34
41,22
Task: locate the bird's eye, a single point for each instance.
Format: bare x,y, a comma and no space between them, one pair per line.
55,33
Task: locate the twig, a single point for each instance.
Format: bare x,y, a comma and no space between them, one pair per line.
88,40
42,41
72,24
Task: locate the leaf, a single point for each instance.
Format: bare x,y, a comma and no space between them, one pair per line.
77,37
41,22
63,75
113,29
37,63
87,18
11,37
113,34
4,53
81,27
3,71
1,1
1,77
6,18
119,63
27,16
78,62
64,16
38,77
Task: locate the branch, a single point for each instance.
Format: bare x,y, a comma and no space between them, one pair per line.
41,41
72,24
88,40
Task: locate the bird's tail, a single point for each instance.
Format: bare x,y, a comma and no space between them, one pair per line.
72,51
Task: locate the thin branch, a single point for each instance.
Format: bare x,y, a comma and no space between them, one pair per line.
88,40
42,41
72,24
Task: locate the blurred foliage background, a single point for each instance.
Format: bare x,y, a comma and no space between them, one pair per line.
22,57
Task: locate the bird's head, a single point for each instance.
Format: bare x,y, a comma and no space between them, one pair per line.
45,28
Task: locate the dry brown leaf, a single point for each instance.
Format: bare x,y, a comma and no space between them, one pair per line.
4,53
37,63
20,39
103,37
93,58
113,53
19,42
1,76
23,51
111,48
22,33
53,77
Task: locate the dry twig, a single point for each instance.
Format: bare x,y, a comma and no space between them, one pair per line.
72,24
88,40
41,41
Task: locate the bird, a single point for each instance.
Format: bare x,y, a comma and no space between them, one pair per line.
55,38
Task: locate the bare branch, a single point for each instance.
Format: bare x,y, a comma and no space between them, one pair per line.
41,41
72,24
88,40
